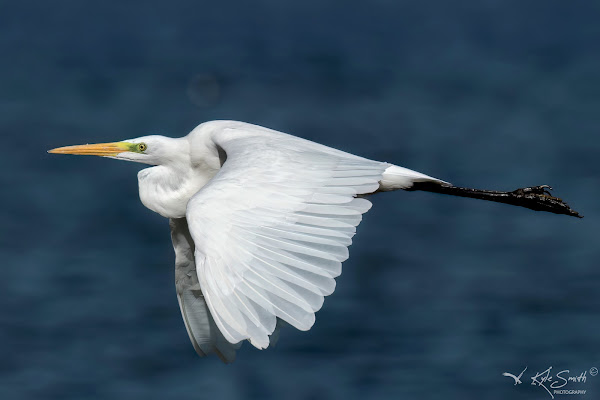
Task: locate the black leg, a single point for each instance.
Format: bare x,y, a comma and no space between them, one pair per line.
536,197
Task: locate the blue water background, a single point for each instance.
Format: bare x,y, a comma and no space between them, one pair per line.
440,295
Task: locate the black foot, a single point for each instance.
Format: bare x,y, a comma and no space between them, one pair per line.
539,198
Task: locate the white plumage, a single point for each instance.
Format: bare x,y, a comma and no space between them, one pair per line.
260,222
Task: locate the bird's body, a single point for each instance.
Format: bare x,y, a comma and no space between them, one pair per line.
167,188
261,221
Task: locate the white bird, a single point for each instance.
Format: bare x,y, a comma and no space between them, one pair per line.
516,378
261,221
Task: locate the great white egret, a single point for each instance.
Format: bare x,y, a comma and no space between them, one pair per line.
261,221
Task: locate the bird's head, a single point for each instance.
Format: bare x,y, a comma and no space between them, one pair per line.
153,150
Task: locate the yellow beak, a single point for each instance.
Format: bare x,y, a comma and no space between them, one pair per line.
100,149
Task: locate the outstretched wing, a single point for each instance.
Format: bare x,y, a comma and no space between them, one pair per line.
204,334
272,228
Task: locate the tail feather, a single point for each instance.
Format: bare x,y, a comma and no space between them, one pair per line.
395,177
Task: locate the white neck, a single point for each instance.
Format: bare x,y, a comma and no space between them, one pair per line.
166,190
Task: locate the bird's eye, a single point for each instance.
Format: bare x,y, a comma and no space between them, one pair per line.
142,147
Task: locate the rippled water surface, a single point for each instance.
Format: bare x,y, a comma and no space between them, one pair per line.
440,295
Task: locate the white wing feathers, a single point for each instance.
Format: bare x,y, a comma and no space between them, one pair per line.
271,229
204,334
